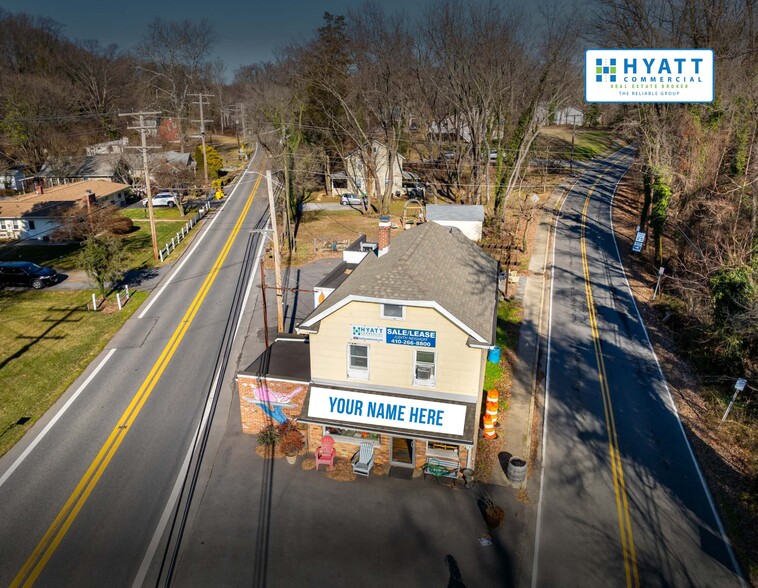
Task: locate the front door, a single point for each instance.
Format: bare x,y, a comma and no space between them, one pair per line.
402,452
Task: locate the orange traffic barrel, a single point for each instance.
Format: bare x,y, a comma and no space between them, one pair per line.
489,428
492,411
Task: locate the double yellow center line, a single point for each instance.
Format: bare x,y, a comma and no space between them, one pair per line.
622,503
60,526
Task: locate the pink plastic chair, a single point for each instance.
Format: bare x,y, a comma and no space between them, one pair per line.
325,453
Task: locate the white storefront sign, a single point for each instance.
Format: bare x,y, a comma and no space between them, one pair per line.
649,75
387,411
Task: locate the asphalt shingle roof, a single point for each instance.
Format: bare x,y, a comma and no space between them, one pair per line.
428,263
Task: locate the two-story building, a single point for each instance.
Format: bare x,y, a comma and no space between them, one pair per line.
396,353
366,164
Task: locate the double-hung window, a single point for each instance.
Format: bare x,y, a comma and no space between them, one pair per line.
357,361
424,367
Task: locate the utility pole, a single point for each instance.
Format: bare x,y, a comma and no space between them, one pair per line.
144,147
573,132
265,312
277,260
201,101
241,115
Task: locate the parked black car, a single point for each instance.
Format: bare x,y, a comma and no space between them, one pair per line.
25,273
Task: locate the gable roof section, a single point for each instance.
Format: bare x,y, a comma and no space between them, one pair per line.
357,150
432,266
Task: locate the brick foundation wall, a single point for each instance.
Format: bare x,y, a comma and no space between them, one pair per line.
254,419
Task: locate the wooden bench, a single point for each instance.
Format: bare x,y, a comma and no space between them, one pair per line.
441,468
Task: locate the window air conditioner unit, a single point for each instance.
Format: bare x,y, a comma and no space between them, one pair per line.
424,373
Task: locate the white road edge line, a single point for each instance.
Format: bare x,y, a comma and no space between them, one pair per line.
724,537
538,530
147,560
189,254
55,419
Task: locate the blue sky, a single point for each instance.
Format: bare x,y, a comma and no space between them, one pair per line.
248,31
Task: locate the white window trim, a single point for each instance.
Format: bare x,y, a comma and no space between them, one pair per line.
358,374
393,318
426,383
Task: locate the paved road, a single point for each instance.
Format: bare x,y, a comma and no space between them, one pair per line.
335,206
81,504
623,503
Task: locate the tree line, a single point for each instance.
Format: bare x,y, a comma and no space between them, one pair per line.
459,90
698,165
58,95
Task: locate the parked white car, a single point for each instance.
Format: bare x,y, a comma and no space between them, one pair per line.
162,199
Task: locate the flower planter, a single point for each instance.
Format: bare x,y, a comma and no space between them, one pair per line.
291,459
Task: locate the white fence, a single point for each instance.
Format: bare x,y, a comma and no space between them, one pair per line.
122,297
170,246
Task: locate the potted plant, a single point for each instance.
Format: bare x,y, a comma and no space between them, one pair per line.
267,439
291,439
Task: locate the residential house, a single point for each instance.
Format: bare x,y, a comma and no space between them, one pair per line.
63,170
567,115
37,214
13,178
468,218
157,161
356,177
450,129
396,354
454,128
109,147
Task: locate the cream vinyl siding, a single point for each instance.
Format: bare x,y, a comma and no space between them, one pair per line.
459,369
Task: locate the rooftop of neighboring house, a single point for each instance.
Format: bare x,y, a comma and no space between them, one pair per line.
427,264
337,276
287,358
454,212
81,166
351,257
41,205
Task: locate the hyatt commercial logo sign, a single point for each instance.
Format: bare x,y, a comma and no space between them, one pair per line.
648,75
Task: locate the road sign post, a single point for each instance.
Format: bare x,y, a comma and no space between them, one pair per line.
658,283
739,386
639,241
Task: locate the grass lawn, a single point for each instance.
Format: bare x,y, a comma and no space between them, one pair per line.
159,212
49,338
138,244
497,375
61,257
588,143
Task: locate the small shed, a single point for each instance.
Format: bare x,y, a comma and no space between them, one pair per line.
467,218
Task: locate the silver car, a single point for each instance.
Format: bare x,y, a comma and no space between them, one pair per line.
351,199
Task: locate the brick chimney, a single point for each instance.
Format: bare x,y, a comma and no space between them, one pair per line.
384,234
